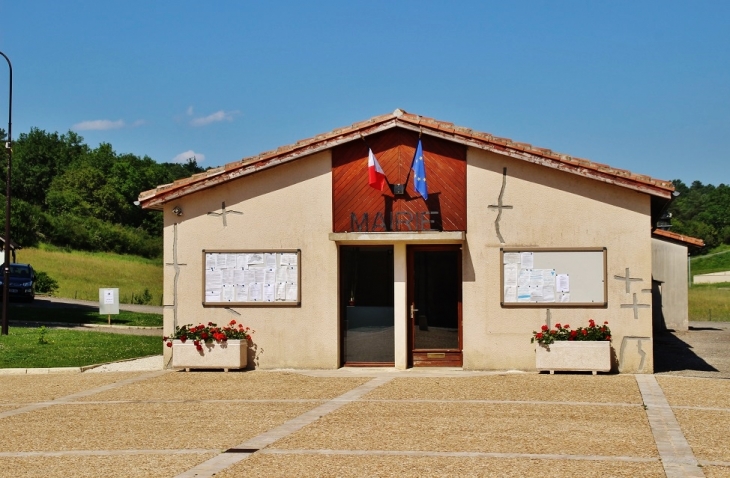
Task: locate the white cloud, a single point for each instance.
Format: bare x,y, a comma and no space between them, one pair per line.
98,125
212,118
189,154
190,111
139,122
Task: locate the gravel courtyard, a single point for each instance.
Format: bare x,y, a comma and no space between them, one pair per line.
365,422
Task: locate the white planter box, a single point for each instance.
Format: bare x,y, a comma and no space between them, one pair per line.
225,355
574,356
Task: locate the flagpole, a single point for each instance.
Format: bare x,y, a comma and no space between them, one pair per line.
8,146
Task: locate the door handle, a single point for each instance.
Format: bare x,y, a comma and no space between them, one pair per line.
413,310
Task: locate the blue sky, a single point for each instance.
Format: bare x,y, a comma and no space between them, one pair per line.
639,85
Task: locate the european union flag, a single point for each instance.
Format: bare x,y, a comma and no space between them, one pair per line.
419,172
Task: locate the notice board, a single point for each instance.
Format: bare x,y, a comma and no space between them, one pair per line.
251,277
553,277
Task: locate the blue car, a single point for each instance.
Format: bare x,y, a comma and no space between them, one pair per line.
22,282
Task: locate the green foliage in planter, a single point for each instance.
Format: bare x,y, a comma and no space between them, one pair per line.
594,333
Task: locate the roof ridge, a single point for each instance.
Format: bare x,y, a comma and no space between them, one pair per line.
400,117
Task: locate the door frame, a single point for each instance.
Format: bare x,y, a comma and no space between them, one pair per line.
433,357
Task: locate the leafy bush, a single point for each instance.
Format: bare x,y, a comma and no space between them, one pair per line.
44,284
42,340
91,234
143,298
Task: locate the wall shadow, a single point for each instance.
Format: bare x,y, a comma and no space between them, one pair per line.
672,354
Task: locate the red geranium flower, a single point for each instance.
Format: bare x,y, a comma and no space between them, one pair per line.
544,327
169,344
557,326
538,336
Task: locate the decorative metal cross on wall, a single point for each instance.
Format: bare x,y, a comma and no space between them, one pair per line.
500,206
176,266
636,306
628,280
224,213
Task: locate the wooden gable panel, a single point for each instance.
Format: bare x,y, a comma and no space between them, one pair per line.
358,207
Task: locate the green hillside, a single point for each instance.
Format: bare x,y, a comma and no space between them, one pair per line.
717,260
80,274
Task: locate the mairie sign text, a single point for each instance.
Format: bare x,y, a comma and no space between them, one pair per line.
397,221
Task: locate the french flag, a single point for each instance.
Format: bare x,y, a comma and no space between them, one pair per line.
376,176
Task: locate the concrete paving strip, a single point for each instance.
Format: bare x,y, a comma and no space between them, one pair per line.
505,402
394,400
709,409
27,454
714,463
39,371
461,454
203,401
676,454
70,398
410,372
241,452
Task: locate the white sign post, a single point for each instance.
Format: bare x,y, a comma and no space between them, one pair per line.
109,303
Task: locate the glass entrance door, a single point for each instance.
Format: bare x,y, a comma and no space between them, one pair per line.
366,305
434,305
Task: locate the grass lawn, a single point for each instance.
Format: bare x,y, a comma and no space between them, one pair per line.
710,302
68,348
716,260
80,274
80,315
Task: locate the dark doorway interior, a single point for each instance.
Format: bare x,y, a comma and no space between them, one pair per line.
435,305
366,305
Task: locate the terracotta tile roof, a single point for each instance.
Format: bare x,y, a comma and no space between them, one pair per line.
673,236
155,198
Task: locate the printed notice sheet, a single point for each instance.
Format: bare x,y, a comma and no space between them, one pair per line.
523,283
527,260
252,277
562,283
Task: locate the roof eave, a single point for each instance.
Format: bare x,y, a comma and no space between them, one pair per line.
156,198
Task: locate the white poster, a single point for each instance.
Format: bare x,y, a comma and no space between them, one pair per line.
511,274
527,261
511,258
563,283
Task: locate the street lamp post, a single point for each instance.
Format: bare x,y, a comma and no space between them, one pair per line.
8,147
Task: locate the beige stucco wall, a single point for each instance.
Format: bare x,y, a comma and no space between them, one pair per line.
287,207
551,209
670,269
290,207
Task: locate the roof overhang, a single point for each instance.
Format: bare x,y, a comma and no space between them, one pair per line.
680,239
661,191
